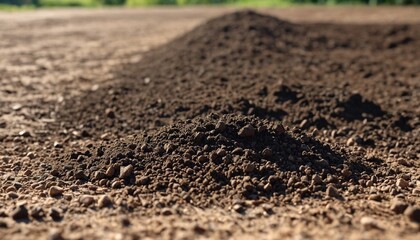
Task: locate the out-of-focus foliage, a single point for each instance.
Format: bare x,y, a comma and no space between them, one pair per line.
112,2
12,8
268,2
70,3
150,2
18,2
59,3
90,3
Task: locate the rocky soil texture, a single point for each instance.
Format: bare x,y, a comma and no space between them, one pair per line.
243,124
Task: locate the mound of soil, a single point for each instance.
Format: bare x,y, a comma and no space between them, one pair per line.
218,159
255,64
250,64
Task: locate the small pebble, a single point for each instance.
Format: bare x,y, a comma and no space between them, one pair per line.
316,179
80,175
144,180
333,192
125,172
268,187
17,106
30,155
86,200
198,137
12,195
403,162
267,152
247,131
98,175
238,208
55,191
110,171
104,201
402,183
116,185
57,145
350,141
24,133
353,189
398,206
249,168
375,197
220,127
279,129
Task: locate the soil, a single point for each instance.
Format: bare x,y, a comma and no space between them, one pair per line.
248,125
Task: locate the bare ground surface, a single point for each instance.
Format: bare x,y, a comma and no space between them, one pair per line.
50,56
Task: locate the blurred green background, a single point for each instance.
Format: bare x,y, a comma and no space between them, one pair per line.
20,4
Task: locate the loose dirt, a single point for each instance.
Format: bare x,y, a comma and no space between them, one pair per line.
247,125
215,160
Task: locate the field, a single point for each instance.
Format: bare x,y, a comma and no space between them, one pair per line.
210,122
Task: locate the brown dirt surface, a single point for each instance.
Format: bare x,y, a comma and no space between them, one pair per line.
210,123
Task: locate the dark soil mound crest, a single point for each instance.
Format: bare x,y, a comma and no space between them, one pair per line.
230,64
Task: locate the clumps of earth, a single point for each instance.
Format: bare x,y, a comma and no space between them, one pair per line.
214,68
247,107
219,158
207,110
254,64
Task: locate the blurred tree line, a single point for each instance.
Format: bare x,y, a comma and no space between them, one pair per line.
41,3
189,2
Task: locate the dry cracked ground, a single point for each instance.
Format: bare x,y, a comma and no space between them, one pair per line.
49,57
